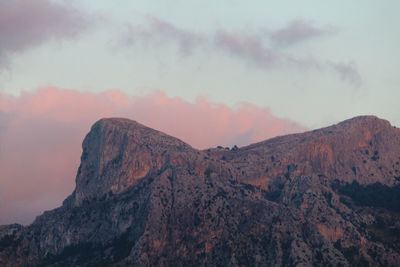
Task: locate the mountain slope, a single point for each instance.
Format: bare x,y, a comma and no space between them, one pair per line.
325,197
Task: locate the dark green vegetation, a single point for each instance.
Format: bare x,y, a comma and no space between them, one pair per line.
371,195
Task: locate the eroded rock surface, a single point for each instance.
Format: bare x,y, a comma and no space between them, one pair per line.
329,197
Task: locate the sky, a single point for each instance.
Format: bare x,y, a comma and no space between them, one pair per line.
243,70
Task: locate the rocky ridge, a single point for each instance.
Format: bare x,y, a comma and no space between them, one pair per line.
143,198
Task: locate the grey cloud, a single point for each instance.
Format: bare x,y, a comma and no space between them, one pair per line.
348,72
299,30
255,49
159,31
248,47
24,24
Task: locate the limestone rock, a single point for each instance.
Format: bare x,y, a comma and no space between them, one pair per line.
328,197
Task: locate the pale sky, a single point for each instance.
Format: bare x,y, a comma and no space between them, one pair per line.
314,62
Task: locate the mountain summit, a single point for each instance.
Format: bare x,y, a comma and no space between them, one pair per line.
328,197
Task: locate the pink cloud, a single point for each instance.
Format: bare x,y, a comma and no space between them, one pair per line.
41,134
24,24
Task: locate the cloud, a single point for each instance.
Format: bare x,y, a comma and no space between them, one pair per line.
252,49
159,31
298,31
248,47
24,24
41,134
348,72
261,49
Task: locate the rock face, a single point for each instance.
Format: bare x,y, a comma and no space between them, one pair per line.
329,197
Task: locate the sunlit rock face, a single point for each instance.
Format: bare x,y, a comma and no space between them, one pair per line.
117,153
142,198
363,148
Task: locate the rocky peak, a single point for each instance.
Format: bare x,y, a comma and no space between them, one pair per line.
117,153
370,122
365,148
328,197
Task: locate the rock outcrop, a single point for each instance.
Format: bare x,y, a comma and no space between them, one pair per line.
329,197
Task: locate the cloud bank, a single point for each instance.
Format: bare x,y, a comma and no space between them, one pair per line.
41,134
24,24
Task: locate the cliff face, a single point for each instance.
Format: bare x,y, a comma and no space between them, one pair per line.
118,153
330,196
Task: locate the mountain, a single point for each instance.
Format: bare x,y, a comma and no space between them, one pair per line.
328,197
